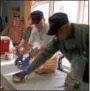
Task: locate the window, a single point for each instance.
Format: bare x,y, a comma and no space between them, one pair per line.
68,7
44,8
85,20
83,16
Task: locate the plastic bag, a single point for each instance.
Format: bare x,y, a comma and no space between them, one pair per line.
74,78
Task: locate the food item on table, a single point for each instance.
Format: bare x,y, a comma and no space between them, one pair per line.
8,56
17,79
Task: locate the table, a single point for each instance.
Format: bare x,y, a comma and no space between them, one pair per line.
33,81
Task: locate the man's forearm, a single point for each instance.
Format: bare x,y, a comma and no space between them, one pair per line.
40,59
27,48
21,43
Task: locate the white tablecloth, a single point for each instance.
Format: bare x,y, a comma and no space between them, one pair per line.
33,81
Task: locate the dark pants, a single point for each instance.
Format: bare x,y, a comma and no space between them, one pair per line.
86,73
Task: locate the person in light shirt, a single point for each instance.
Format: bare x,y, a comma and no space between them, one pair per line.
39,34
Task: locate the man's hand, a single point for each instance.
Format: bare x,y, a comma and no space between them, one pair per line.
13,50
21,43
36,53
27,48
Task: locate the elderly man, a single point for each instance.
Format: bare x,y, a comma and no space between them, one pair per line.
71,39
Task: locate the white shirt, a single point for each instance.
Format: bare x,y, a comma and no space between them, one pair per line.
40,38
